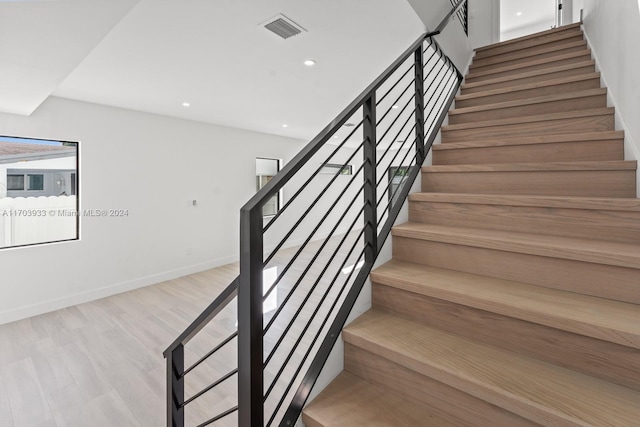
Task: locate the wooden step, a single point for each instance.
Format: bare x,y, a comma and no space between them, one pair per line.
530,320
351,402
535,390
528,77
529,40
546,104
594,120
532,65
592,267
612,321
594,218
530,90
572,147
448,402
526,55
579,179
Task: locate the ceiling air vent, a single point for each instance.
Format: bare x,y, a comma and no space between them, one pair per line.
283,26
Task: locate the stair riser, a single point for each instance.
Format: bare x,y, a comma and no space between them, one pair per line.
576,351
617,226
592,83
607,281
529,43
461,408
497,72
465,89
574,183
600,123
533,153
529,54
582,103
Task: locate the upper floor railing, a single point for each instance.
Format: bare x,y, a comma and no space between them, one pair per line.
302,269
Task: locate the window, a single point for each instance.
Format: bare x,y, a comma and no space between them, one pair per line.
266,169
335,169
36,182
15,182
38,191
397,176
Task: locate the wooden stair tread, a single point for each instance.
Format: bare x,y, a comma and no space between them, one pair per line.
530,119
525,74
531,43
535,167
351,402
600,318
535,390
528,37
571,248
528,86
529,101
548,60
524,53
527,140
602,203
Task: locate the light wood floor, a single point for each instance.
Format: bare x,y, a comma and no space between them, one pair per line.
99,363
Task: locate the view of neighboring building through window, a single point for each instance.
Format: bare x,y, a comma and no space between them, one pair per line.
38,191
265,170
397,176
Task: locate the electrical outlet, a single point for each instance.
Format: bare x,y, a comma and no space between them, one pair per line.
189,251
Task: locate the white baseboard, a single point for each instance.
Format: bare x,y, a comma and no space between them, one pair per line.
107,291
631,147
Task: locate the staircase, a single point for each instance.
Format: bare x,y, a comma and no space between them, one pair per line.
513,296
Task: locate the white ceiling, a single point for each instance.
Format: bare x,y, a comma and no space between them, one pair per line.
153,55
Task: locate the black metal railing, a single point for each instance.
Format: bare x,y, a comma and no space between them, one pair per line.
463,15
302,269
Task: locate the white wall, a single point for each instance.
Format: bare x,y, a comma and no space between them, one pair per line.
484,22
613,31
453,40
153,166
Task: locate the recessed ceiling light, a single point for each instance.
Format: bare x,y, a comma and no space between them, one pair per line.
395,107
309,62
349,125
518,13
186,104
284,126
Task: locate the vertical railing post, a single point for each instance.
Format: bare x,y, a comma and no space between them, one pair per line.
250,297
419,103
175,387
370,164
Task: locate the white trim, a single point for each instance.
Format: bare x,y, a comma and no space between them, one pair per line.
107,291
631,148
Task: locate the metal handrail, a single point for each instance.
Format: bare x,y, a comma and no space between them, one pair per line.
248,286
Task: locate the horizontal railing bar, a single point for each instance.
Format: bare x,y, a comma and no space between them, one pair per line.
210,353
313,175
431,127
218,417
395,138
312,317
308,352
315,284
446,19
209,387
295,286
306,212
409,101
387,188
396,102
308,239
394,85
212,310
